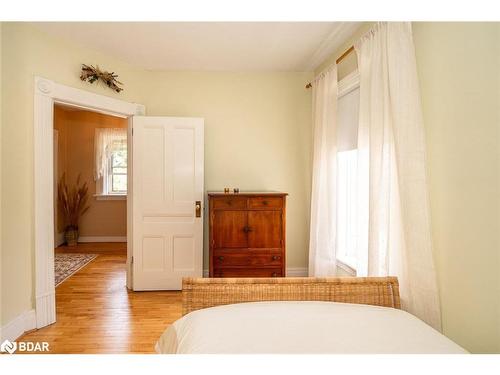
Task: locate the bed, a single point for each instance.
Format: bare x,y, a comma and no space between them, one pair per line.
298,315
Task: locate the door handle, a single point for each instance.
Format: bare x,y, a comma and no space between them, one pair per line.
197,207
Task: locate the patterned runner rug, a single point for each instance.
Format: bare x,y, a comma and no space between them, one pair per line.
66,265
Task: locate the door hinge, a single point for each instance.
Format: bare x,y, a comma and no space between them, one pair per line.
132,131
131,259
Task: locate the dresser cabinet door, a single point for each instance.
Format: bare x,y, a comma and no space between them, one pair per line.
264,229
230,229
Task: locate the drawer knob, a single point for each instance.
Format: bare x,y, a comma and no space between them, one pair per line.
276,257
275,274
264,203
221,258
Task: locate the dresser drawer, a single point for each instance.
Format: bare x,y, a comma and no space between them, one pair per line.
230,202
225,260
265,202
247,272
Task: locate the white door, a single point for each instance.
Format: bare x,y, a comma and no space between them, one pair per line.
167,198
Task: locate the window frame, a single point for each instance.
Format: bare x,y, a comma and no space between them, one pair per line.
110,173
104,184
345,86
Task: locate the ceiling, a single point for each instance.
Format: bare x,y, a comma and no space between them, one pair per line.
210,46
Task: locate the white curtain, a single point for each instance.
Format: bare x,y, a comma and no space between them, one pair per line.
322,261
395,227
105,142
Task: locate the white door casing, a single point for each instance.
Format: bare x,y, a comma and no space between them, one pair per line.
46,94
167,181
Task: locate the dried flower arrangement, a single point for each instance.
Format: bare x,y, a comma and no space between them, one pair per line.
73,205
92,74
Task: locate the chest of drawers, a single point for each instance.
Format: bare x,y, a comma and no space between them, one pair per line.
247,234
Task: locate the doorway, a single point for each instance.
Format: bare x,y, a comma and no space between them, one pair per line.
90,189
47,94
164,193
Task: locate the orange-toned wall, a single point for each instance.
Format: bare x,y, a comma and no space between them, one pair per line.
76,156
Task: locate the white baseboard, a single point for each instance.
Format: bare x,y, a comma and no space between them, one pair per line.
16,327
102,239
290,272
297,272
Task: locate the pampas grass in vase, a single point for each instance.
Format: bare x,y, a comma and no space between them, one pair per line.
73,205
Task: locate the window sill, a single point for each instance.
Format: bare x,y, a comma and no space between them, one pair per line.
351,271
110,197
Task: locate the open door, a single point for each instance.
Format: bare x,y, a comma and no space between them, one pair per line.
167,199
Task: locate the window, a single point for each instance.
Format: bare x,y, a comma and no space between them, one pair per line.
111,163
347,173
117,173
346,203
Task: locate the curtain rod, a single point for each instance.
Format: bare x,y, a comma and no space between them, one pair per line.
342,57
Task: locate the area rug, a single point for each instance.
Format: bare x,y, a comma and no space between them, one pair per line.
66,265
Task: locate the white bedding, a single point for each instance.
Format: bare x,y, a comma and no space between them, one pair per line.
302,327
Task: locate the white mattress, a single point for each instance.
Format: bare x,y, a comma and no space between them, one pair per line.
302,327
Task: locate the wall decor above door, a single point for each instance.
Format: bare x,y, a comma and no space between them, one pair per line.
92,74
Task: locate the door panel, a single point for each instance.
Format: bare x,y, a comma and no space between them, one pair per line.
264,229
230,232
167,180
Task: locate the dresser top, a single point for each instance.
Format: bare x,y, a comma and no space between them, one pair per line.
246,193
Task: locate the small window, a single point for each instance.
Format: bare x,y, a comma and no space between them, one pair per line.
117,174
111,163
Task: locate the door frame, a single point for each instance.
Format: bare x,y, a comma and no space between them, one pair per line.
46,94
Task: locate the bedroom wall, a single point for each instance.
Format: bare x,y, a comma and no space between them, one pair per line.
460,89
458,69
31,52
267,113
257,136
76,156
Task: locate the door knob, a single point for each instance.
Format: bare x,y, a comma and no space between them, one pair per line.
197,207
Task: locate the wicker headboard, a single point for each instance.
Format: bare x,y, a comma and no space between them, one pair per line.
198,293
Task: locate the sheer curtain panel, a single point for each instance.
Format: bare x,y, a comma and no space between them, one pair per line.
105,140
392,177
322,245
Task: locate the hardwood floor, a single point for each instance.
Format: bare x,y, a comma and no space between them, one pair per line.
97,314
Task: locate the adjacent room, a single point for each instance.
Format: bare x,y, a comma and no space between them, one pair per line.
90,188
332,185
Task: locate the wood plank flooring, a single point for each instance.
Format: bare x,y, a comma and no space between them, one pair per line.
97,314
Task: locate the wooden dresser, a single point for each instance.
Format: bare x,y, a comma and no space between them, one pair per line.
247,234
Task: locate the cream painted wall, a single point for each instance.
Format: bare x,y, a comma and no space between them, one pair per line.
76,156
460,88
28,52
257,136
458,66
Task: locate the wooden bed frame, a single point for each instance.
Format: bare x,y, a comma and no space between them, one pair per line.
200,293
